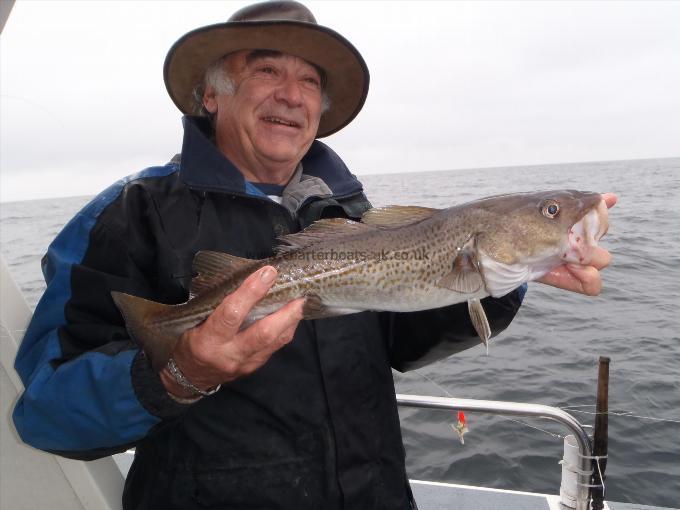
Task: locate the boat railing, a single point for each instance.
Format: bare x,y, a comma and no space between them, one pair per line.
584,469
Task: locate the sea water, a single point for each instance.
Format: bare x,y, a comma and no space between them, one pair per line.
549,353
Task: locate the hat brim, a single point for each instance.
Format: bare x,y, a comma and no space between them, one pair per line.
346,71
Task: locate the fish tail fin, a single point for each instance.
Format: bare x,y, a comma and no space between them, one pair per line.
157,340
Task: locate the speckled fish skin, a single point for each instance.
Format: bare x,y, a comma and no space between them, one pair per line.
397,259
398,268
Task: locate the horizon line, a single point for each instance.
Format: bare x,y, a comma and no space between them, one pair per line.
404,172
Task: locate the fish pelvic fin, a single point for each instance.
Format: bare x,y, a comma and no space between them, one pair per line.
465,276
480,321
216,268
314,308
156,340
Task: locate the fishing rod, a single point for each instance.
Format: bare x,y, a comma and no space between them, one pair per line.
600,436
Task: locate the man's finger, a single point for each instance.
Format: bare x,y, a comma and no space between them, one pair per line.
261,357
234,309
272,332
599,258
588,277
610,199
581,279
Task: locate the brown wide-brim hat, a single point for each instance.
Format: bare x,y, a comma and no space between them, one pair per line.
285,26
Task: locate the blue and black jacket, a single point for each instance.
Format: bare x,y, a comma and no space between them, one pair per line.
315,427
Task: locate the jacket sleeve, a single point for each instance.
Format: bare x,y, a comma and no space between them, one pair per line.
419,338
89,391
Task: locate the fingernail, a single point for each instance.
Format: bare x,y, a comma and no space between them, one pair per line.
267,275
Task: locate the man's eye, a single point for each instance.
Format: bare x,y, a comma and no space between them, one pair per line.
267,70
312,81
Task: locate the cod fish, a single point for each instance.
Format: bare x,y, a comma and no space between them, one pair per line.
397,258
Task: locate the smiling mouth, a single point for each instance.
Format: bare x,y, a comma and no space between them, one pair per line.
281,122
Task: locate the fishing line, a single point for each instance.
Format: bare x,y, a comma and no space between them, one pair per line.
597,459
624,413
553,434
440,387
13,333
37,105
599,470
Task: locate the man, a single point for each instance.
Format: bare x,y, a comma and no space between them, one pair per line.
284,413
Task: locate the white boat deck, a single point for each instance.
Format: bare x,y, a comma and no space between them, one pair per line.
447,496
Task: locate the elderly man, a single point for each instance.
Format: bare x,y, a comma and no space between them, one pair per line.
284,413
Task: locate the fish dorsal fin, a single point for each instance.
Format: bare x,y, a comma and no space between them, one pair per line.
214,268
319,231
465,276
396,215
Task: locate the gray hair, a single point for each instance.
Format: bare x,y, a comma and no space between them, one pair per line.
217,76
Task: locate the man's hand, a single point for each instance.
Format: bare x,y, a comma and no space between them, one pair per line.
217,351
583,279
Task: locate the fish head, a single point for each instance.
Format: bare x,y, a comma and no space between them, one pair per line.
533,233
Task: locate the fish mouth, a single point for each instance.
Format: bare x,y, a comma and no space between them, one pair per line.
584,235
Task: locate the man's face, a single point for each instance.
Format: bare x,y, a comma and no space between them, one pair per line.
273,115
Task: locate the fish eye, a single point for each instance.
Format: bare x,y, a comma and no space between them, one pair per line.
550,209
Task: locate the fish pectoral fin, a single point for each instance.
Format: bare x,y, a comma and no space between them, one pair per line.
396,215
479,321
462,281
465,276
157,341
215,268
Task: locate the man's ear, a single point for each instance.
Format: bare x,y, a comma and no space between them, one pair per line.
210,100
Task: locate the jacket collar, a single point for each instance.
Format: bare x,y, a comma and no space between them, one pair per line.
204,167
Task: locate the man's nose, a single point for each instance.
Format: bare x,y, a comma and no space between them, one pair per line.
289,92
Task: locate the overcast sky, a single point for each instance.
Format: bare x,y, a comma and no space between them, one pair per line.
453,85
